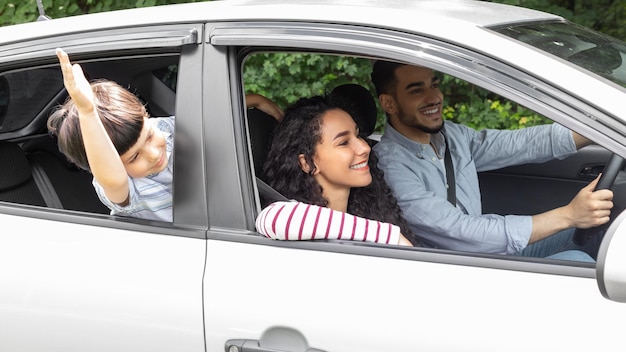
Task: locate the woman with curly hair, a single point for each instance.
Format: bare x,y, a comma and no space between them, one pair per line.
318,160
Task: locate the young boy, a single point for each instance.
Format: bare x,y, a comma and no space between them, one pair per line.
106,130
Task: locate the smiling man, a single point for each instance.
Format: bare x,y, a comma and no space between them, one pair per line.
432,166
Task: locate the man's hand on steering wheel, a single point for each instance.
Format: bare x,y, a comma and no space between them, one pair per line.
590,207
585,229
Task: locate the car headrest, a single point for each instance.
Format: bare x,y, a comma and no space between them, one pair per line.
359,103
261,126
15,168
48,143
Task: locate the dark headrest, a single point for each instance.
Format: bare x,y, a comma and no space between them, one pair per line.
48,144
261,127
14,167
359,103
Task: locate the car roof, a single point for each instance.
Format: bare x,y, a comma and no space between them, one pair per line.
451,19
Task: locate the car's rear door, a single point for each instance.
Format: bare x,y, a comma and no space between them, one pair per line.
78,281
74,284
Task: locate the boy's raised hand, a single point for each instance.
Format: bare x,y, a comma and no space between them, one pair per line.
76,83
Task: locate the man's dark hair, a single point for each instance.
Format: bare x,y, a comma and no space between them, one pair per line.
384,76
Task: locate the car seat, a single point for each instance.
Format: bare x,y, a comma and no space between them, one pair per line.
72,185
360,104
17,184
261,126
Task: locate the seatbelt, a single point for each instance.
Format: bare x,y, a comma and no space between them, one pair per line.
45,186
269,192
450,174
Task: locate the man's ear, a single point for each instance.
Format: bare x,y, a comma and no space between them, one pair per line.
304,165
388,103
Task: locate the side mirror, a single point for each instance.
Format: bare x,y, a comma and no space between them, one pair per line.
611,264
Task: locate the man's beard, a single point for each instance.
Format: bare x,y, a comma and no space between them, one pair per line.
410,121
428,129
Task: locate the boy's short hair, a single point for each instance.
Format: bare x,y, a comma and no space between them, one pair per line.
121,113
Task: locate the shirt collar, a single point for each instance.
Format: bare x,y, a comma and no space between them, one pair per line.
416,148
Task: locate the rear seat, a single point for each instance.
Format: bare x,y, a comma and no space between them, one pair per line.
38,174
17,184
71,184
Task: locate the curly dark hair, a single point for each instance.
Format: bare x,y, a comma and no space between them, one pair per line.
299,132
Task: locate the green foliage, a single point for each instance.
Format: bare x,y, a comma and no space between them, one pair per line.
286,77
487,113
480,109
20,11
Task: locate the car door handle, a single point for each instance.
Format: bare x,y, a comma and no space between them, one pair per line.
274,339
590,172
254,346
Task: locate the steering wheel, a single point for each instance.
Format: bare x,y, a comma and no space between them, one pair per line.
609,174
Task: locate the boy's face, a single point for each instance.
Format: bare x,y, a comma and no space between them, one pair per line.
147,156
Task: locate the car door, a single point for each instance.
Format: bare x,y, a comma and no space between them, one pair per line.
265,295
75,280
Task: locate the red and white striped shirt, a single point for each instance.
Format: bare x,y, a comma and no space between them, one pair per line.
300,221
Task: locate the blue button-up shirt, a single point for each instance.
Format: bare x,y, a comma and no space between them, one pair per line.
417,176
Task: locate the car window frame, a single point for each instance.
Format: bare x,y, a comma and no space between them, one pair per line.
190,218
241,39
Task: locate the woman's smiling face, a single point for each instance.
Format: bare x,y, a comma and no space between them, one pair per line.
341,157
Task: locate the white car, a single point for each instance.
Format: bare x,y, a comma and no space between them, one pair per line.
74,278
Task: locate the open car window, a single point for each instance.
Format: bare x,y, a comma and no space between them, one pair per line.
524,189
34,171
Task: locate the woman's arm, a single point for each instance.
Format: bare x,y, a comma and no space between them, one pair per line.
299,221
264,104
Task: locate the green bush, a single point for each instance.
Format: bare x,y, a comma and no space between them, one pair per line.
480,109
285,77
20,11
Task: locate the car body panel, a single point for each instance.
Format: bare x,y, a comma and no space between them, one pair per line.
76,281
72,282
400,297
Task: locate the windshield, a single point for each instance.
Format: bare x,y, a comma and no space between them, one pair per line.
596,52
